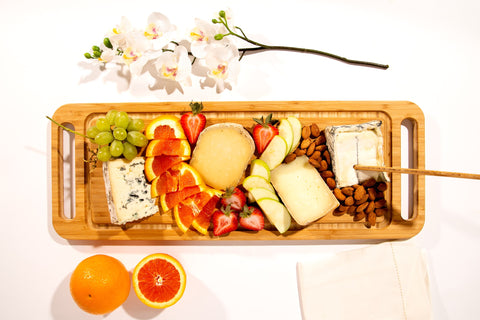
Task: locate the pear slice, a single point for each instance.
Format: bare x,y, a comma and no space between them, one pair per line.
275,152
258,167
297,132
251,182
286,131
263,193
276,213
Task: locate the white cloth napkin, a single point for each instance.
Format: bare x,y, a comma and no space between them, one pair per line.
387,281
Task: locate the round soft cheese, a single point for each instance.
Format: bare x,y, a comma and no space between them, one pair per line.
222,154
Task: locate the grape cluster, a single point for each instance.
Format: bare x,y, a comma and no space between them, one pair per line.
117,135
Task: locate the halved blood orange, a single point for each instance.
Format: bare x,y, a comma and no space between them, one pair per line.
159,280
186,211
169,147
165,127
170,200
201,222
155,166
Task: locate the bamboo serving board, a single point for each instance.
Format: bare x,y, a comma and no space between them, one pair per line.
91,219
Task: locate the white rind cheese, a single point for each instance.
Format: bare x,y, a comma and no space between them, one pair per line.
303,191
359,144
128,193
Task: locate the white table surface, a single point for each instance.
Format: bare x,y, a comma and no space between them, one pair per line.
432,47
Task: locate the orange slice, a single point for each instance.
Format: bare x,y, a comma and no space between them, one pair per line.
186,211
169,147
170,200
155,166
159,280
201,222
178,177
165,127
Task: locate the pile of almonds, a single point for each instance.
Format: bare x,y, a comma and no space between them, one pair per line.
364,202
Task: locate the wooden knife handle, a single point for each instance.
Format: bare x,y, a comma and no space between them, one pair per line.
419,172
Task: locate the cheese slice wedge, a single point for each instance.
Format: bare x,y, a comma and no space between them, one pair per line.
303,191
222,154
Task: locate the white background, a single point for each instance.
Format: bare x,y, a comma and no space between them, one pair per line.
432,47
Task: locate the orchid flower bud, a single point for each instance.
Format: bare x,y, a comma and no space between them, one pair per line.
218,36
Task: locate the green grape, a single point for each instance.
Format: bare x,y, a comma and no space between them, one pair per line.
129,150
104,138
120,133
137,138
116,148
103,154
111,115
135,125
102,124
92,132
122,119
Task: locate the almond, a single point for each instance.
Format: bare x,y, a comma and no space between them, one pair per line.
379,212
330,182
300,152
306,133
359,193
326,174
362,207
363,200
382,186
323,165
338,194
290,157
348,191
371,220
305,144
369,183
315,130
338,213
321,139
342,208
351,210
316,155
349,201
380,203
370,207
359,216
372,194
314,163
310,149
321,147
326,155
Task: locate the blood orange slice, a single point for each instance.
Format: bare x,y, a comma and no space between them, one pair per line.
186,211
155,166
164,183
201,222
170,200
165,127
159,280
169,147
177,178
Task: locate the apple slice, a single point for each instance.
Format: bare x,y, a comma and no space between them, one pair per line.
286,131
260,168
276,213
251,182
263,193
297,132
275,152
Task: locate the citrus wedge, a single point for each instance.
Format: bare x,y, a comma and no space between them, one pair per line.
165,127
201,223
177,178
159,280
170,200
186,211
168,147
155,166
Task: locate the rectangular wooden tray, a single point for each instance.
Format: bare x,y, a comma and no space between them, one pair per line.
91,218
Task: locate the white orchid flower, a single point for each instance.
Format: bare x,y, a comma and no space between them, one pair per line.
159,30
223,65
201,36
175,66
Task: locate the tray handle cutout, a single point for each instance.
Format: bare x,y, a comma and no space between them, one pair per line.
409,159
67,160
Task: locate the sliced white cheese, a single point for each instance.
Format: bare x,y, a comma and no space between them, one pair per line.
222,154
128,193
350,145
303,191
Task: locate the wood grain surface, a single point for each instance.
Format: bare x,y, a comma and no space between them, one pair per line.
91,218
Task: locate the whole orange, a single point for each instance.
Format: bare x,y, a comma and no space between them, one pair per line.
100,284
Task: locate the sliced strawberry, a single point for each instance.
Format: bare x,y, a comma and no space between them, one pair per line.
235,198
263,132
193,122
224,221
252,218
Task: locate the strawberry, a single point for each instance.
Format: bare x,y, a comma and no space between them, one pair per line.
263,132
233,197
193,122
224,221
251,218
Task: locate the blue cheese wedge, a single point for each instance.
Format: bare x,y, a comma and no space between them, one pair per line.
350,145
128,193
